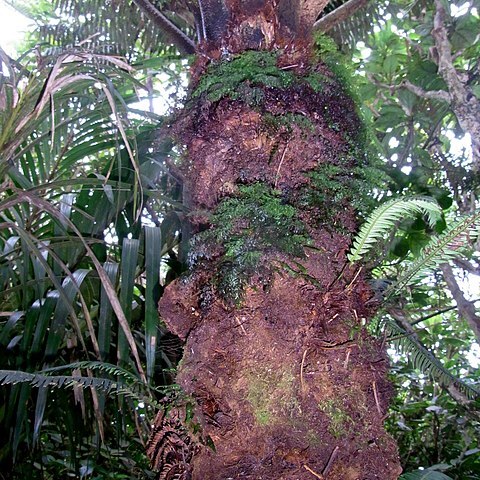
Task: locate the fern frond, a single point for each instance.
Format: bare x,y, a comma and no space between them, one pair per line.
445,247
385,218
104,367
108,386
425,361
12,377
123,377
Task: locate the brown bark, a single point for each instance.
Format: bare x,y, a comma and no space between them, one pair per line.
287,384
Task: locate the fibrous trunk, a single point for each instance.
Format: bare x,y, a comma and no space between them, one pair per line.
284,379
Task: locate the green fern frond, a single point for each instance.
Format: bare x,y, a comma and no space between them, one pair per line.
104,367
12,377
425,361
122,376
445,247
385,218
125,383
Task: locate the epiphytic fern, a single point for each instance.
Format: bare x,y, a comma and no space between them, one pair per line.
385,218
425,361
441,249
12,377
121,382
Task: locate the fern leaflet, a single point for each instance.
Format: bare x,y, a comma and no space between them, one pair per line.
426,362
384,219
445,247
134,389
60,381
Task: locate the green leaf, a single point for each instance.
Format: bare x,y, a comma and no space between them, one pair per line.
70,288
46,308
399,246
390,65
407,98
128,269
106,313
9,326
39,412
424,475
153,249
466,32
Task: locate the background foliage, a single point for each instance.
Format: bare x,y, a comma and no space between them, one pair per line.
90,222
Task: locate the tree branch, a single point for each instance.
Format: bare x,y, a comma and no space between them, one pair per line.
428,94
464,103
308,10
444,51
466,265
431,315
461,399
184,43
466,309
338,15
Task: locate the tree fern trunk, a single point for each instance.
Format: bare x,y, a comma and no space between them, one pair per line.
284,379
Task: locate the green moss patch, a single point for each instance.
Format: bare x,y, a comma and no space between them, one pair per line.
331,187
248,225
245,75
271,394
287,120
339,420
255,67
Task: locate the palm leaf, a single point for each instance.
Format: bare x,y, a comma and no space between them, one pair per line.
65,180
113,28
153,248
128,268
359,25
106,313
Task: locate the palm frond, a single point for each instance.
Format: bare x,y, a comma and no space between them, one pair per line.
72,189
348,30
445,247
386,217
117,27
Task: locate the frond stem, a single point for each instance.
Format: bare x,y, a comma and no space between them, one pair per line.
338,15
184,43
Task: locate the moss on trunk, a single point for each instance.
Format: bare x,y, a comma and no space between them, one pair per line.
287,382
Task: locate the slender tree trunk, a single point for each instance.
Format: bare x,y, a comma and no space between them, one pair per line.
284,380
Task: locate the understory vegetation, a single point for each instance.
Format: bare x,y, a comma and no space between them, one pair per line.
96,222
